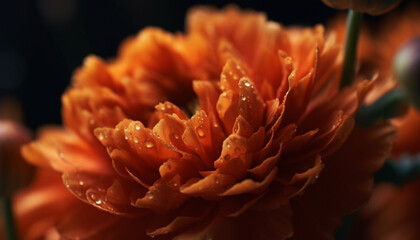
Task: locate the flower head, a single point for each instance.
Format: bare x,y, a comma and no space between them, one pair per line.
240,122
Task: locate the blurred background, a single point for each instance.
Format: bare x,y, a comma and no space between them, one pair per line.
43,41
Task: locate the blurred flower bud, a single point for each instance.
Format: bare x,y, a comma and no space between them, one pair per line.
15,173
407,69
375,7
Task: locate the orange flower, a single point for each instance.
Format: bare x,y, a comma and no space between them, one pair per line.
270,151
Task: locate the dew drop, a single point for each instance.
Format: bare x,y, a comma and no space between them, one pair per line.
136,140
201,131
176,136
243,98
216,180
100,137
95,198
228,145
149,144
215,125
126,137
247,84
125,129
81,183
137,126
150,196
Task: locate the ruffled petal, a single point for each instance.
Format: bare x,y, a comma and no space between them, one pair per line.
64,151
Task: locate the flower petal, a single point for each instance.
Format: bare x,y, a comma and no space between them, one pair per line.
63,151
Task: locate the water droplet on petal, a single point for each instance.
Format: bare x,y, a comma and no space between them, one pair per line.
247,84
216,180
228,145
176,136
137,126
201,131
243,97
150,196
95,198
100,137
126,137
149,143
136,140
81,183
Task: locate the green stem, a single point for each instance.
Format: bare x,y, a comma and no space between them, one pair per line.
8,219
352,35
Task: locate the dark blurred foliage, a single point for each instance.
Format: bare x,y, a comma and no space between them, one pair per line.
43,41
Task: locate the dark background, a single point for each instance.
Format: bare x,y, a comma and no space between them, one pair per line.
43,41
